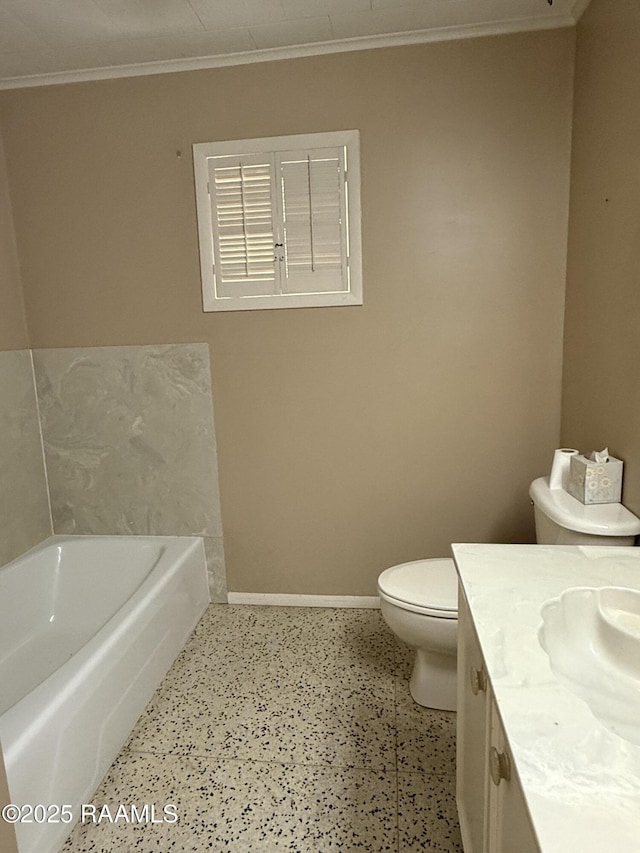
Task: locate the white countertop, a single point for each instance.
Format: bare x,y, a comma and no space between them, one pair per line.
581,782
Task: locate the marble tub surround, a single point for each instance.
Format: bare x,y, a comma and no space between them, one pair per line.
216,571
130,443
581,782
24,505
286,729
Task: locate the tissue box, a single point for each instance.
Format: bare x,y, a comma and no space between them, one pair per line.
595,482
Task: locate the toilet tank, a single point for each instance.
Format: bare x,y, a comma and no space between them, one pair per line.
562,520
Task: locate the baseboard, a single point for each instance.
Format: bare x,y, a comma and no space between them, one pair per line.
285,600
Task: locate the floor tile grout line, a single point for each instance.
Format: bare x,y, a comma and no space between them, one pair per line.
388,769
209,756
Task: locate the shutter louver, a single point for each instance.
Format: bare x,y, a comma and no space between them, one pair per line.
312,186
242,201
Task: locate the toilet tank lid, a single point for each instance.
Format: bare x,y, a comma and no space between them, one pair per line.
596,519
426,583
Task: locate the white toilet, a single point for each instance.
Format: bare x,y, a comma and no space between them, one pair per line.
419,600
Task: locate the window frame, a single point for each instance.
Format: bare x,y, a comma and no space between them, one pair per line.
278,145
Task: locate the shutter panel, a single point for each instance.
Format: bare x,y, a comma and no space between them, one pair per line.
242,190
312,187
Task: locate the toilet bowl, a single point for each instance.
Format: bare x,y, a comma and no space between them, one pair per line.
419,602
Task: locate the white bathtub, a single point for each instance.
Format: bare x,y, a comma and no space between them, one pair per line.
89,626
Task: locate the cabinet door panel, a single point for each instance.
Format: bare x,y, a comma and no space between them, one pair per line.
509,826
471,734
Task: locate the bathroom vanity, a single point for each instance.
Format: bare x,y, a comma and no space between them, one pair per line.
536,771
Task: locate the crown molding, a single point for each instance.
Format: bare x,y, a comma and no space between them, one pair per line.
173,66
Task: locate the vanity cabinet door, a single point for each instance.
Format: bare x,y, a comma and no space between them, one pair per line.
508,828
471,750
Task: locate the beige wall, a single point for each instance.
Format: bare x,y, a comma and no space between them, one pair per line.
601,387
348,438
13,329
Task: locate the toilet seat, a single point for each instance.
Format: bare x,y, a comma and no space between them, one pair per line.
429,587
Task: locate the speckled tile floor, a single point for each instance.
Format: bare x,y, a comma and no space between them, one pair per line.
283,728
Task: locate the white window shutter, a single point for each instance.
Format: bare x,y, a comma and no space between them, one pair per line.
242,190
312,187
279,221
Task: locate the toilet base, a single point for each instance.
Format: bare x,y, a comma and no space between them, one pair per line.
433,681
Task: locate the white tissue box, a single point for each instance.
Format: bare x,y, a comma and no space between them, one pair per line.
595,482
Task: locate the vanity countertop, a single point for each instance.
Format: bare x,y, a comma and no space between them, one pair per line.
581,782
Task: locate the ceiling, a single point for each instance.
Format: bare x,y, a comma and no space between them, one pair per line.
54,41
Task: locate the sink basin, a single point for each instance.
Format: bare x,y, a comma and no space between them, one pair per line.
592,638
